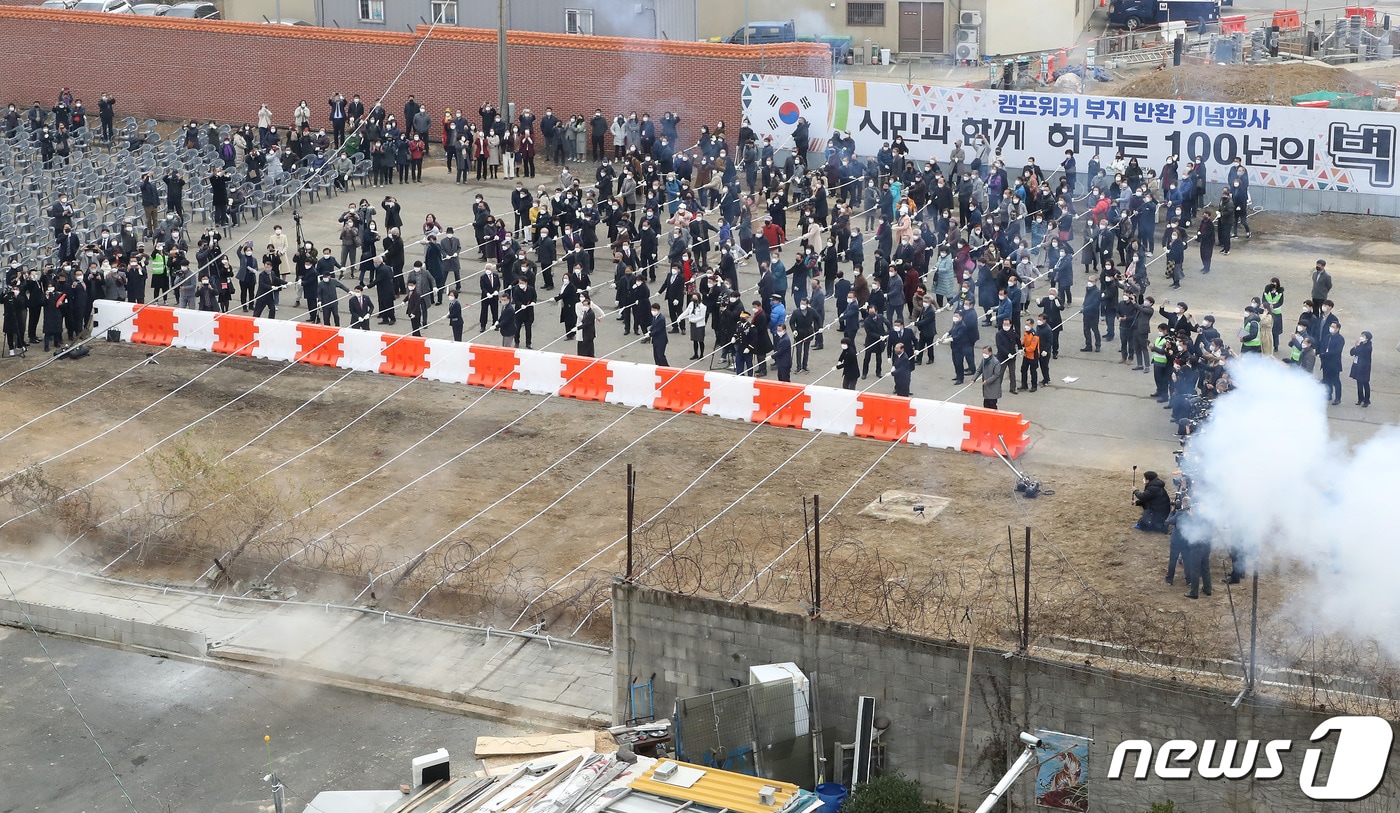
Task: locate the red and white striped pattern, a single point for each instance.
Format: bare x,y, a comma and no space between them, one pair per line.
890,418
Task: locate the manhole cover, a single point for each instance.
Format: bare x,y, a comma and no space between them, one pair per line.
903,506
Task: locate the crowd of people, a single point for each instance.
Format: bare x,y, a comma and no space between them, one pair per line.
867,250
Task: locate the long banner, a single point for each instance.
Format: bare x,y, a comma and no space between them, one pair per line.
1286,147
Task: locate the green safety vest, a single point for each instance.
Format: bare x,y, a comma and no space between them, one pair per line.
1254,342
157,265
1297,353
1159,354
1274,300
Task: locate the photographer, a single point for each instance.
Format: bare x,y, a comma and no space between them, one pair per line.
1156,504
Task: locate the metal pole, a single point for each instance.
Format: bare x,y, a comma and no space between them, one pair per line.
967,700
1015,598
1026,596
502,19
817,562
277,794
746,20
1254,630
631,512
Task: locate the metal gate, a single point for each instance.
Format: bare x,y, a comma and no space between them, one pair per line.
921,28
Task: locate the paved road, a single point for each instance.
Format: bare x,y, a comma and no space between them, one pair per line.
1101,419
186,737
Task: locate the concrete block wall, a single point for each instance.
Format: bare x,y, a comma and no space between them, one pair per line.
250,63
98,627
696,645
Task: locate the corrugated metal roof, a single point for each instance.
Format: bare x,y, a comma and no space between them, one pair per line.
720,789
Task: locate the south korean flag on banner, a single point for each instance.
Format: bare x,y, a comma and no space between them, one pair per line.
773,104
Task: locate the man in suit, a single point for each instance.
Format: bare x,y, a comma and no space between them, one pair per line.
782,353
451,248
523,296
490,285
657,334
360,309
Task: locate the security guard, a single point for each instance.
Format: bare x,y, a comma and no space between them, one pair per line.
1161,365
1249,334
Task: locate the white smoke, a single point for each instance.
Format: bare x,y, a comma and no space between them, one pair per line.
1268,477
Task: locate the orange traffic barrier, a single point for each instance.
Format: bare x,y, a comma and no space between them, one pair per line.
1287,19
234,335
780,403
154,325
318,345
987,429
1366,13
681,390
885,417
1233,24
494,367
585,379
404,355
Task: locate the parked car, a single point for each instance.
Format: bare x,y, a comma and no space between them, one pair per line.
287,21
105,6
1135,14
151,9
194,11
57,3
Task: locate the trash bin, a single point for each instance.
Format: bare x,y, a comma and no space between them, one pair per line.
832,794
884,56
875,53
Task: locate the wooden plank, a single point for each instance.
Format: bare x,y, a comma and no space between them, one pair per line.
534,744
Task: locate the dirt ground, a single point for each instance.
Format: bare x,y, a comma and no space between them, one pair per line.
1243,84
1092,577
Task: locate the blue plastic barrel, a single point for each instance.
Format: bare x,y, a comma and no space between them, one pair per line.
832,795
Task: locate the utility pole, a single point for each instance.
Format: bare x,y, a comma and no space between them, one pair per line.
502,19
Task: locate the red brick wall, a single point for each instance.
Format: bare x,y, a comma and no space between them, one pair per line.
181,69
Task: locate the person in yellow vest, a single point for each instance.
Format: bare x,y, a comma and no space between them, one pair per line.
1250,341
1273,302
1161,364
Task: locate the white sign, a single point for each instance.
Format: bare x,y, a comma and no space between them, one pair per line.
1285,147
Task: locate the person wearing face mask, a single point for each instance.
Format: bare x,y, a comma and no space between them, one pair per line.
990,371
1321,285
1361,368
1330,356
848,364
55,305
1322,322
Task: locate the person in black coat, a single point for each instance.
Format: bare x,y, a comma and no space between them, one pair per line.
674,292
490,284
640,303
848,364
1091,309
1156,504
384,288
657,334
782,353
15,307
523,296
902,366
454,315
1329,353
1361,368
876,330
55,307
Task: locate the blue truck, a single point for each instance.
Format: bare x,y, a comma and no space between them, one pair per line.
1135,14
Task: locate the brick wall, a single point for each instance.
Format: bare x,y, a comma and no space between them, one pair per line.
181,69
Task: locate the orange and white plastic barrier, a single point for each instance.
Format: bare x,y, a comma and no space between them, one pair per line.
889,418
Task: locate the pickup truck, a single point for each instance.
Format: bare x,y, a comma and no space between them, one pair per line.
1135,14
766,32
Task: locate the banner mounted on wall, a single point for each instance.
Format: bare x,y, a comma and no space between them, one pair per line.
1284,147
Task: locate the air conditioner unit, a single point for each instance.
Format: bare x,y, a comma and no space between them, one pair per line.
967,36
970,18
968,53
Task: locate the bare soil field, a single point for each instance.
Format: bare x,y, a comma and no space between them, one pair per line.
1243,84
470,516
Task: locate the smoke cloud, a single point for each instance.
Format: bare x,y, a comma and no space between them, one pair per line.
1268,477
